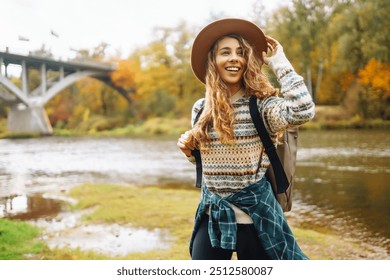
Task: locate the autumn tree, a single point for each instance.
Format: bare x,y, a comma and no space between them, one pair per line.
356,31
165,85
88,97
330,41
375,81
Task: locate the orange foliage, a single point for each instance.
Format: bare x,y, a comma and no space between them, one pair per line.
124,76
61,113
346,79
377,76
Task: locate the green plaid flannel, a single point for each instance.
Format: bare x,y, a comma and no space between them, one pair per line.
258,201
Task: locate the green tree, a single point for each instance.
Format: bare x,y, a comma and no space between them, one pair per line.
357,29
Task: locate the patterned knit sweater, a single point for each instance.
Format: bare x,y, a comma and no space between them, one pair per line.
229,168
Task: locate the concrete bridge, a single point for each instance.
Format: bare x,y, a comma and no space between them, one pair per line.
27,113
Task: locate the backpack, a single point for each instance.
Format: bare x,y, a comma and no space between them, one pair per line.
281,171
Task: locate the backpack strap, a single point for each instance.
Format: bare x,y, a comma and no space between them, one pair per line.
196,154
280,176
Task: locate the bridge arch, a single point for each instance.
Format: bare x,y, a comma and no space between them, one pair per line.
31,116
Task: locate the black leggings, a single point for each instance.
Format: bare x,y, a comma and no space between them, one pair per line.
248,245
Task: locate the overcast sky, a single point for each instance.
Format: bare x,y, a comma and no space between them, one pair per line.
123,24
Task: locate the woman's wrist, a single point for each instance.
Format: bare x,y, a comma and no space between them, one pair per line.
280,65
283,72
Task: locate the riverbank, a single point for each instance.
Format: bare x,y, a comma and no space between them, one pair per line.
175,127
151,208
326,118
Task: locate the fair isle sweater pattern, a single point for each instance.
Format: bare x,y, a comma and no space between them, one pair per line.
229,168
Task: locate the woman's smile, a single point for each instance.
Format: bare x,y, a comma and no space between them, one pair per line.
230,62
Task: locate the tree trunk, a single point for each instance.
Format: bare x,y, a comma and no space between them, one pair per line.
319,77
308,81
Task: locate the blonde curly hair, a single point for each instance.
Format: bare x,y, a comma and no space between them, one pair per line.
218,110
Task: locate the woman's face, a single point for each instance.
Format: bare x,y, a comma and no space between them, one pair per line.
230,62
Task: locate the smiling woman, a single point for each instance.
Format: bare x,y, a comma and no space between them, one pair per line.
227,56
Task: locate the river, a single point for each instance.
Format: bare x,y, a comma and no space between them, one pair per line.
342,179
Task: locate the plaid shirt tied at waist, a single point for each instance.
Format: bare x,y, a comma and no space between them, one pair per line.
258,201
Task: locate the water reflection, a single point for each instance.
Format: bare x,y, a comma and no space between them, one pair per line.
345,175
360,196
47,164
112,240
67,231
23,207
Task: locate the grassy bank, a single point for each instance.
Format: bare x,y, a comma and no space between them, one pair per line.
152,207
328,117
18,240
335,117
151,127
174,127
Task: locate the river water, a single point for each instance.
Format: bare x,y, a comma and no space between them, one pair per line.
342,180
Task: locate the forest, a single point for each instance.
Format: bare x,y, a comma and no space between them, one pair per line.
340,47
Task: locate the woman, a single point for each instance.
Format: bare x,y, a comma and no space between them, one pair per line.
238,211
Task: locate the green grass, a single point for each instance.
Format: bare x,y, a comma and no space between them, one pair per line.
17,240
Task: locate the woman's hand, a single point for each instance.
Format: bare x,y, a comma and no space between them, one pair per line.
274,47
184,144
275,58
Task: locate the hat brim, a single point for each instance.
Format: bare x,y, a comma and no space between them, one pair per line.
217,29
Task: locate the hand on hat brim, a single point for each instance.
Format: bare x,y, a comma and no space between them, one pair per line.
273,47
271,42
275,57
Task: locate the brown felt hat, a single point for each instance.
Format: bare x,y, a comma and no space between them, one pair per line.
215,30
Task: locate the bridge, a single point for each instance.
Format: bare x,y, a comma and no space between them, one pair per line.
27,113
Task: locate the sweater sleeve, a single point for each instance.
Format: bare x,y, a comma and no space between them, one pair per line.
195,110
295,108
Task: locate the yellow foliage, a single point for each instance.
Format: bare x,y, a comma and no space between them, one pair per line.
377,76
124,76
157,78
89,94
86,114
329,92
